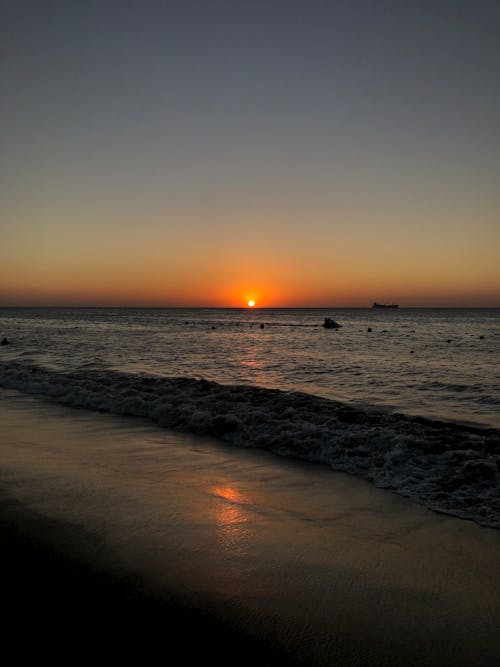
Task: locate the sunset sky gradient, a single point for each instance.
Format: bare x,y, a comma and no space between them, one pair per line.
298,153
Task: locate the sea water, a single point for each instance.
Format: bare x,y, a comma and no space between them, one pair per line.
408,398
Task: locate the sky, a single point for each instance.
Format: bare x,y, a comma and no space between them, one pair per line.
204,153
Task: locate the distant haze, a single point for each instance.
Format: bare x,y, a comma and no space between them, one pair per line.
204,153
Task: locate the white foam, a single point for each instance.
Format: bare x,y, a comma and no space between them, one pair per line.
448,467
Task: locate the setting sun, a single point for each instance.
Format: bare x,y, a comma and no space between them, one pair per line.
251,303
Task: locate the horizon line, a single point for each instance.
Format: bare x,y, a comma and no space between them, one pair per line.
336,307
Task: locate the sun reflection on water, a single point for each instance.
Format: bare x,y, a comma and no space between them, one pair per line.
232,520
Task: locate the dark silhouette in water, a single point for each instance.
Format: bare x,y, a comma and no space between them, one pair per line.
4,341
385,305
330,324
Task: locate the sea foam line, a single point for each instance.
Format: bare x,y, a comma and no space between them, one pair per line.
447,467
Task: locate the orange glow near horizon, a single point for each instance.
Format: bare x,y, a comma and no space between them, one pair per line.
251,303
311,296
150,276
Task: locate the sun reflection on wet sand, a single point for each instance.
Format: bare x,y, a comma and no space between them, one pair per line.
232,520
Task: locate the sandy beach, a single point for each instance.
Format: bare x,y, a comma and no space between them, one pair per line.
118,533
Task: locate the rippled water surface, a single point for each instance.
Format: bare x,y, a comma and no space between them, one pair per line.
441,363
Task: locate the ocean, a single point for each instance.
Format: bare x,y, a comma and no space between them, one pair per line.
408,399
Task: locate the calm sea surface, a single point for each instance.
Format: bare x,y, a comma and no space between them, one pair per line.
438,363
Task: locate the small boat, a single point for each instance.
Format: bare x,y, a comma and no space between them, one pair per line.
330,324
385,305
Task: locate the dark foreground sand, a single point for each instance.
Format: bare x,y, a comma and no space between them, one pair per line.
58,605
117,537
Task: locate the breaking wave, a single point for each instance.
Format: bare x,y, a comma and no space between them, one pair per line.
448,467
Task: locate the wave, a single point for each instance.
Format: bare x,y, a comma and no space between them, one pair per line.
450,386
448,467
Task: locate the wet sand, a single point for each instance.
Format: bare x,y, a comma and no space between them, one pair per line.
118,534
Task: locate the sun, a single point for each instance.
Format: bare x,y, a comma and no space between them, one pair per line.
251,303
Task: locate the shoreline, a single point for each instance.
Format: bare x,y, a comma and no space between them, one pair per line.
444,466
118,531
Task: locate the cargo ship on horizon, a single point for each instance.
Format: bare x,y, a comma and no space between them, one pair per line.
385,305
